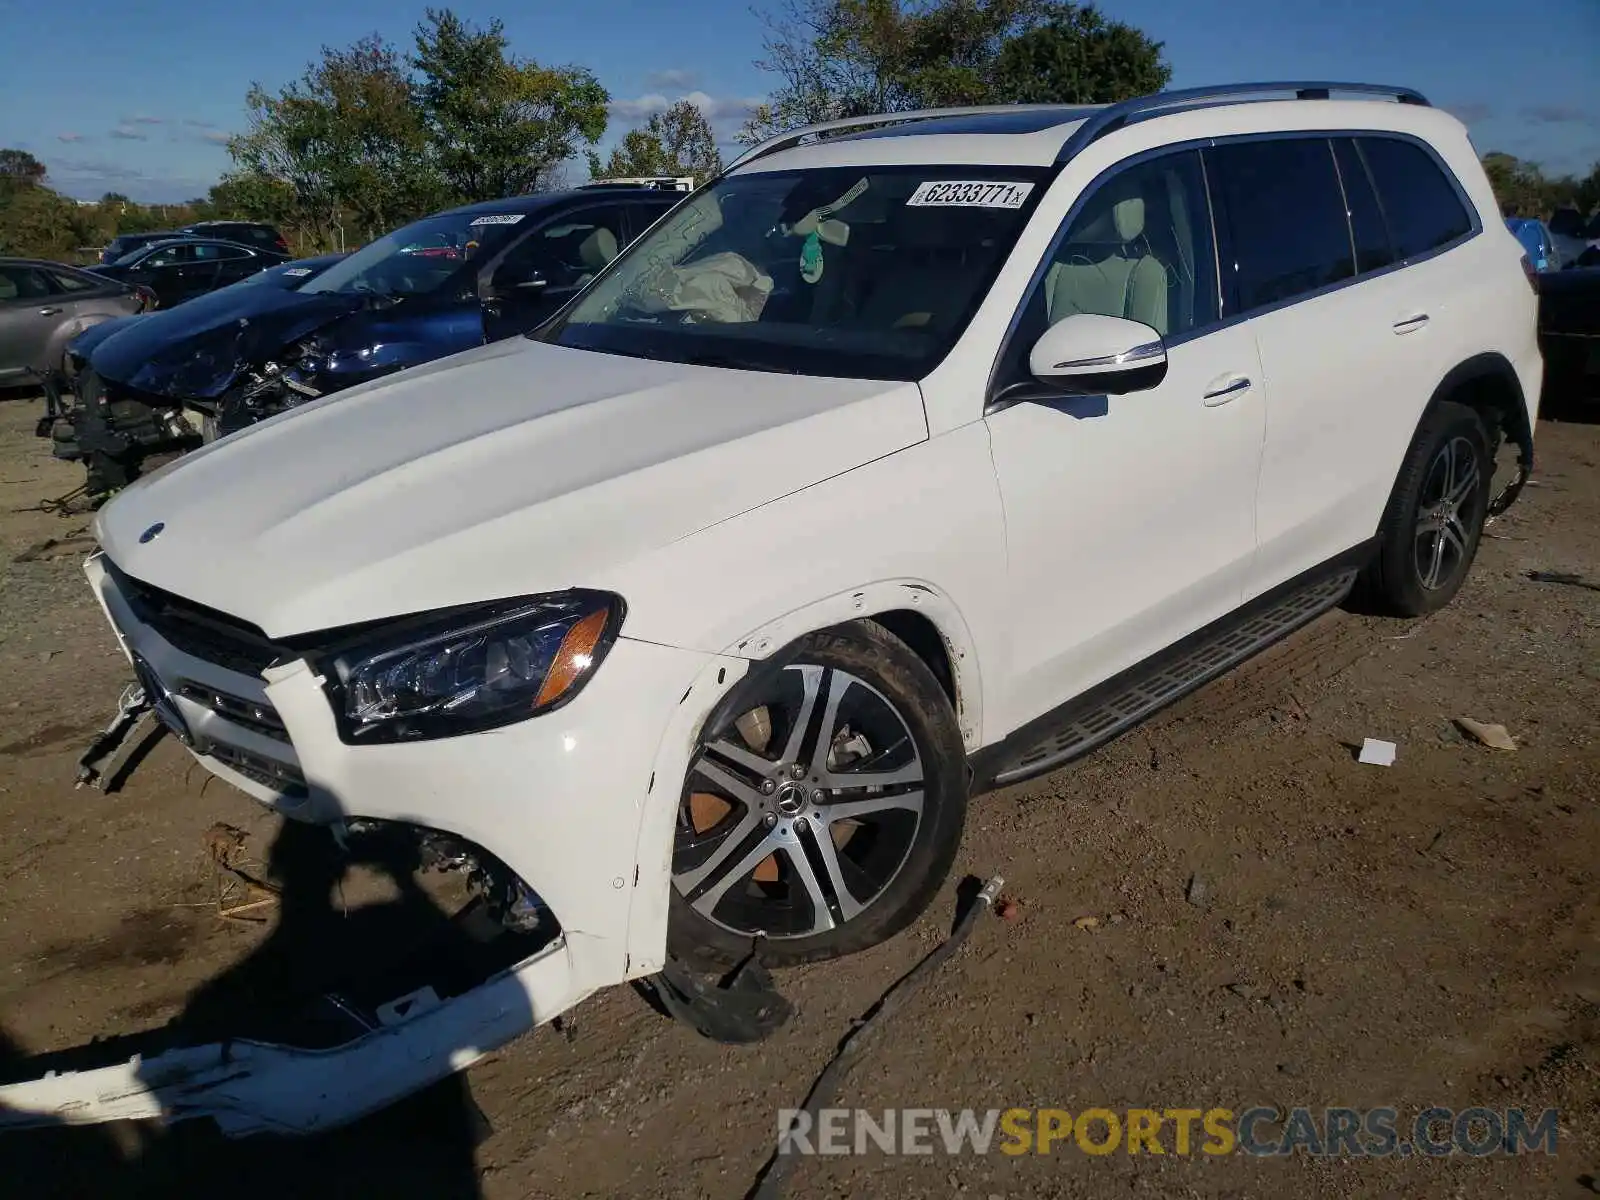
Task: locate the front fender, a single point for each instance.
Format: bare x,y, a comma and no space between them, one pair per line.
920,530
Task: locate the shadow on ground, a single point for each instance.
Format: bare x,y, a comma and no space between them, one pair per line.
423,1146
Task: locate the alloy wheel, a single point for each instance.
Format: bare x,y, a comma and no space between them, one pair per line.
1449,492
799,814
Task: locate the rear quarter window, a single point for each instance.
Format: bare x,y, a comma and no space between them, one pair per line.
1421,205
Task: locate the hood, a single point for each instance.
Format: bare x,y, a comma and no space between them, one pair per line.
83,345
199,347
512,469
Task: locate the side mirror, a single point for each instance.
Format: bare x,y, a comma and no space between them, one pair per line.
1090,355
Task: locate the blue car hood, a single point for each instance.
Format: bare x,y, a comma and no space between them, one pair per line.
198,348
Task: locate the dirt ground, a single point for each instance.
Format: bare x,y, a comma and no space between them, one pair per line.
1425,934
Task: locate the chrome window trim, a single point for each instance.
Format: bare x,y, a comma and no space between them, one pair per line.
1200,145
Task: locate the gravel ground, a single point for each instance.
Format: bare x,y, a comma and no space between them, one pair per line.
1425,934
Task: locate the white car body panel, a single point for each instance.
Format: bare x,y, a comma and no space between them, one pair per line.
335,516
735,512
1130,520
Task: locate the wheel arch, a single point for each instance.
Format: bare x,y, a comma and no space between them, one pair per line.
1488,383
919,614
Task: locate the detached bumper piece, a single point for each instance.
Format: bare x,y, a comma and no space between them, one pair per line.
352,1041
252,1087
247,1087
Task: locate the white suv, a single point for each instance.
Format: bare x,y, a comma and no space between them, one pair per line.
911,456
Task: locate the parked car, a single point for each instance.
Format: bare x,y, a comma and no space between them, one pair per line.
43,305
286,276
1569,333
913,455
1567,234
1534,235
250,233
178,269
435,287
126,243
106,430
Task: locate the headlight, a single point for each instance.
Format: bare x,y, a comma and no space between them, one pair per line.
469,670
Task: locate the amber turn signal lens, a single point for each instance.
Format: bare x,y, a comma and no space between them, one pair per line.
573,658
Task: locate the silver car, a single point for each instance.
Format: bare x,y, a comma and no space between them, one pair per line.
44,305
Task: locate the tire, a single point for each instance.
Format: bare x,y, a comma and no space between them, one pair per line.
1427,540
751,869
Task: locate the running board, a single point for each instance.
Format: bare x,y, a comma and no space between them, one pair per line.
1114,707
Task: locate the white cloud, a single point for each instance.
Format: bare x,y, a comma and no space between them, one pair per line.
127,133
69,137
725,114
672,79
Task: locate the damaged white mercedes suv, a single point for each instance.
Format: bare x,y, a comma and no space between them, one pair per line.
912,456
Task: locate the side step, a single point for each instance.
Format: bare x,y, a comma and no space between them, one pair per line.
1121,702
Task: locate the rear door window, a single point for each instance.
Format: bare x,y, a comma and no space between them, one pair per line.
1420,204
1367,229
1285,217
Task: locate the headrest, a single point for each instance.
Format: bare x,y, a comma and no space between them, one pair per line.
598,249
1129,217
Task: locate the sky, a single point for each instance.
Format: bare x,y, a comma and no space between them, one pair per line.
140,98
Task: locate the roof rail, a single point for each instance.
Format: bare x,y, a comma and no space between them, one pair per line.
1115,116
794,137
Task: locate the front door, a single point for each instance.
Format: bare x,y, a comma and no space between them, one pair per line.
1130,520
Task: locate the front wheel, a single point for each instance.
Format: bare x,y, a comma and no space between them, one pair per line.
821,814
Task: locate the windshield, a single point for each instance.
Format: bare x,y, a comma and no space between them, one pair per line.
418,258
851,271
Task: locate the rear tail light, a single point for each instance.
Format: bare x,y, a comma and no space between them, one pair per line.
1530,275
147,299
283,245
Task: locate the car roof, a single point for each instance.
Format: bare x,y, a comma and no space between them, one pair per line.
1044,135
203,241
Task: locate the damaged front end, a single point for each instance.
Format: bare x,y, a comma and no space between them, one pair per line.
173,380
363,1036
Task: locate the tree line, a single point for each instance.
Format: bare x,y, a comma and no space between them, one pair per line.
371,136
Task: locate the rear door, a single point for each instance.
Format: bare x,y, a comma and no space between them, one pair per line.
235,263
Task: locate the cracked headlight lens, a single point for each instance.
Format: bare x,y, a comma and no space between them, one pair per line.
472,669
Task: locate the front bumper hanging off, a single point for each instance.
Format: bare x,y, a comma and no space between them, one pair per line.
572,805
251,1087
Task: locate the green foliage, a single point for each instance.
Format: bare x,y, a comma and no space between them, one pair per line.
841,58
1524,190
678,141
498,125
368,139
19,168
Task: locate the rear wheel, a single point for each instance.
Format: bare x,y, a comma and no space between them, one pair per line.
820,817
1434,521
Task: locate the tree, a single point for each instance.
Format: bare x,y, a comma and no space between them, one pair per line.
678,141
20,169
498,125
840,58
343,139
1078,57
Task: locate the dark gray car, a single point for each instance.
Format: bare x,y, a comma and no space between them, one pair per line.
44,305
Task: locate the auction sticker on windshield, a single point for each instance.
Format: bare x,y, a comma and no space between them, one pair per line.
969,194
500,219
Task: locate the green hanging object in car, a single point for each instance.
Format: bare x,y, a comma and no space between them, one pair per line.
811,258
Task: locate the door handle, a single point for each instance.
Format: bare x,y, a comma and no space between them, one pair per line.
48,311
1225,389
1411,324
